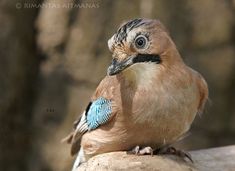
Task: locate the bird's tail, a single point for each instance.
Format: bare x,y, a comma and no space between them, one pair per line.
74,139
79,159
68,138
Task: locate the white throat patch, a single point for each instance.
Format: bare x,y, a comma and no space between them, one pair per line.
142,73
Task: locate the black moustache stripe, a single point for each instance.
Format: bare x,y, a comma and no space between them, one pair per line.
147,58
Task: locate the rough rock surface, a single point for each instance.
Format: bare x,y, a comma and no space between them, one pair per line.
215,159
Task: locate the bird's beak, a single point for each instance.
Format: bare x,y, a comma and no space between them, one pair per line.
118,66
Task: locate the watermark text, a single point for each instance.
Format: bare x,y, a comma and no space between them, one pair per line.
51,5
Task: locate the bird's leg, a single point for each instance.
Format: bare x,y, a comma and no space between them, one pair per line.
141,151
174,151
135,150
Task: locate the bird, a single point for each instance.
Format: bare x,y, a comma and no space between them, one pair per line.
148,99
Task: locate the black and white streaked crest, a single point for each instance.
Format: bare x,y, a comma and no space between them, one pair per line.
123,30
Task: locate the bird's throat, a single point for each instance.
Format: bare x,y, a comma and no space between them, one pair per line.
140,74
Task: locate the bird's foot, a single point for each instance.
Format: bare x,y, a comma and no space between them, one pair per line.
141,151
174,151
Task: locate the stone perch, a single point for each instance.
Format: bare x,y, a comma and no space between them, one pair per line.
214,159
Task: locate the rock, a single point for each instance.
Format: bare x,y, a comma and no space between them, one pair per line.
215,159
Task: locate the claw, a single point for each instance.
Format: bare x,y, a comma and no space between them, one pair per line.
141,151
146,150
174,151
135,150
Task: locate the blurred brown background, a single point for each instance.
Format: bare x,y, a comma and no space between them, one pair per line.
53,53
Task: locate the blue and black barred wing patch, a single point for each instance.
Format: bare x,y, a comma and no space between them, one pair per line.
99,113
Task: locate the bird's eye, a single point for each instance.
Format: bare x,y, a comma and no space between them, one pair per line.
141,42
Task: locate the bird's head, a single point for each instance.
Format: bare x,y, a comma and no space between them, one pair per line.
140,41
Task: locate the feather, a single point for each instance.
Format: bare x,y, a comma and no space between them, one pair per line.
97,113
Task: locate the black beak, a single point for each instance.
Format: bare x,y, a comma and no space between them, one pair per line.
116,66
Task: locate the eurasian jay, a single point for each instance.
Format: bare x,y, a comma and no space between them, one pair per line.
148,99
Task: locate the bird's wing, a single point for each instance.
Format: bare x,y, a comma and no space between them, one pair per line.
202,88
203,91
98,112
